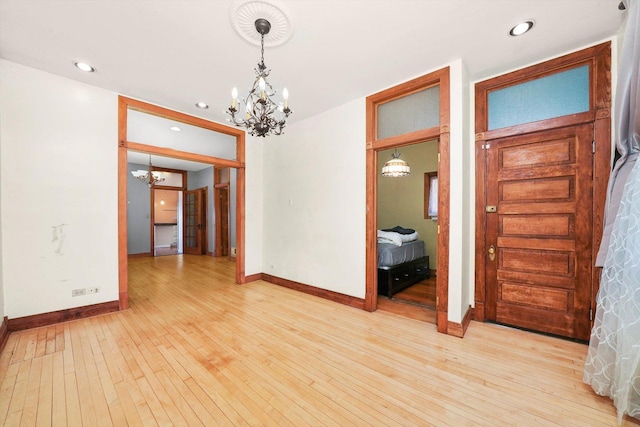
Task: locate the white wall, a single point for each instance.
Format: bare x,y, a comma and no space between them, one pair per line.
314,201
254,199
59,191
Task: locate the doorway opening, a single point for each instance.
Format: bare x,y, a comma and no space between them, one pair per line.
410,113
167,222
226,152
403,202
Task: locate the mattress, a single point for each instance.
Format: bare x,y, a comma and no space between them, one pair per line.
390,255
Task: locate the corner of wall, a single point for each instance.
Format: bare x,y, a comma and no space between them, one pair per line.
458,292
254,206
2,298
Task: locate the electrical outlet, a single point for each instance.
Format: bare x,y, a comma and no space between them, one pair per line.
233,251
78,292
92,290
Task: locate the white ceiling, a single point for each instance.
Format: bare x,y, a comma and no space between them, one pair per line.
176,52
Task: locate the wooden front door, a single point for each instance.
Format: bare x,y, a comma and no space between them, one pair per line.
194,222
538,230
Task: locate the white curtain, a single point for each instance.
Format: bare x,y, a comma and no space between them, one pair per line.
613,361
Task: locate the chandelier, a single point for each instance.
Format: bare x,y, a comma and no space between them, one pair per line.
396,166
148,177
263,116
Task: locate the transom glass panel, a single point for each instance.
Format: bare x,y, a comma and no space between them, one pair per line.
410,113
556,95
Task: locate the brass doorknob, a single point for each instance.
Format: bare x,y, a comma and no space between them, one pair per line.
492,252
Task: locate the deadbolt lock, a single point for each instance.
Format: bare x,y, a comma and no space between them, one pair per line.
492,252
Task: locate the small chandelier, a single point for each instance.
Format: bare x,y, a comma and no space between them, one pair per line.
396,166
263,116
148,177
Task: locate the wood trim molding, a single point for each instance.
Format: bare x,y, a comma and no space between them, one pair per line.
253,277
141,255
4,332
53,317
459,329
312,290
183,155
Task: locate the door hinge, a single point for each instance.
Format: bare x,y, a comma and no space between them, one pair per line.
438,228
486,146
591,314
438,157
593,147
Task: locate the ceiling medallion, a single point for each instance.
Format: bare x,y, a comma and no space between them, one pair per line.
244,13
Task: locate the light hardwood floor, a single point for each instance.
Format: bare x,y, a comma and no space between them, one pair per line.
422,294
196,349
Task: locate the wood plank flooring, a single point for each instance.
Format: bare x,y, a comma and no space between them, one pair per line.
197,349
422,294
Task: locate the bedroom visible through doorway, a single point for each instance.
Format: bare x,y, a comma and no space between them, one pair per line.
407,271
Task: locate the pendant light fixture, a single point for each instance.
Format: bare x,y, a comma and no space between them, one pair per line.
147,176
396,167
262,115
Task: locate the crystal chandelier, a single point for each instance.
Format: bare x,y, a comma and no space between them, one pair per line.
263,116
148,177
396,166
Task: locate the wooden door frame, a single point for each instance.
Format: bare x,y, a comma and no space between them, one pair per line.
599,60
441,133
152,199
124,145
218,209
217,185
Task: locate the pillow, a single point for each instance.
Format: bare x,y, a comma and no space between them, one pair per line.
409,237
389,237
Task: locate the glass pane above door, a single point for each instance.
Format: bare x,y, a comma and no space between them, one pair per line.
410,113
547,97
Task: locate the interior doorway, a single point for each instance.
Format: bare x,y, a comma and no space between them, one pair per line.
403,201
167,220
231,138
422,106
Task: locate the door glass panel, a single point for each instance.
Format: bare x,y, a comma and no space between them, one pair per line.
190,220
557,95
420,110
171,179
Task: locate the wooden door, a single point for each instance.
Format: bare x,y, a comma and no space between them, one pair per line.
193,222
539,246
223,221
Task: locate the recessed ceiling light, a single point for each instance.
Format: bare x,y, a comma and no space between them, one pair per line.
84,67
521,28
202,105
175,128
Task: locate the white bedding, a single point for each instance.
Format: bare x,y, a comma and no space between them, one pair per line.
396,238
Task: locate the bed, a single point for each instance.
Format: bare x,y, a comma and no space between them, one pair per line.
401,262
